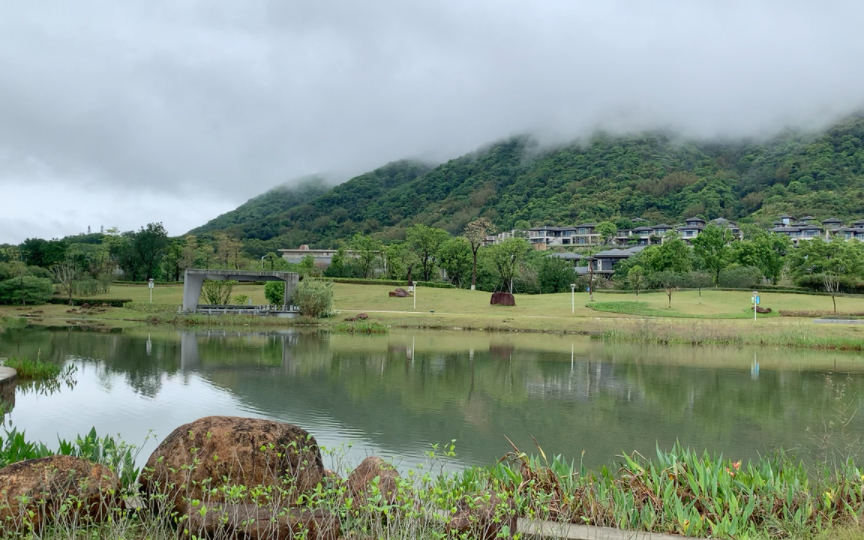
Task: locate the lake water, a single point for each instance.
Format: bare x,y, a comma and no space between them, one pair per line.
396,395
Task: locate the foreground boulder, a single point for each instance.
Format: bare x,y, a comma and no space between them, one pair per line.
399,293
502,299
199,458
483,517
361,481
36,492
252,522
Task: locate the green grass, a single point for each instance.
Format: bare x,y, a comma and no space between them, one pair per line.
33,370
679,491
361,327
644,309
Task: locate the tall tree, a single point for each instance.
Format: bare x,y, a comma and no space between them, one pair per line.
766,251
476,233
150,244
426,241
455,258
712,248
606,230
506,257
829,264
673,254
368,251
66,272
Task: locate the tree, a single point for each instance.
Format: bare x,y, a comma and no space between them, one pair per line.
673,254
368,250
426,241
669,280
636,278
189,253
314,298
25,290
140,253
712,248
44,253
336,268
554,275
476,233
274,292
455,258
829,264
699,280
401,260
766,251
606,230
66,273
506,257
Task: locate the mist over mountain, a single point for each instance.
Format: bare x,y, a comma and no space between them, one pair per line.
658,176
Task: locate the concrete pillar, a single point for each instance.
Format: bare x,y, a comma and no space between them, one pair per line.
192,290
189,358
290,284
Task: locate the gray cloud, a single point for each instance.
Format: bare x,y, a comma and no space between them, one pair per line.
139,107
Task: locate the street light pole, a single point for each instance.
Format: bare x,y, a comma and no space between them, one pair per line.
573,298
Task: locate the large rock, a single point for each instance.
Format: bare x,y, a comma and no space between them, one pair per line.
32,492
252,522
219,451
502,299
483,518
361,480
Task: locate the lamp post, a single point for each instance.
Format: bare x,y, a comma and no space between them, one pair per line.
755,300
150,286
573,298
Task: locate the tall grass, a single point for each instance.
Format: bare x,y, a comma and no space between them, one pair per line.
667,333
679,492
33,370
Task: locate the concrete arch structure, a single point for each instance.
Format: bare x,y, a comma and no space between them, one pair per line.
193,281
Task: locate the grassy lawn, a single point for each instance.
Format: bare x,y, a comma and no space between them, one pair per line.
726,314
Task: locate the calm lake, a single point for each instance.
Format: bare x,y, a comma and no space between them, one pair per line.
396,395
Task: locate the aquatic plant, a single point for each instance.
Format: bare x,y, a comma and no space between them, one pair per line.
33,369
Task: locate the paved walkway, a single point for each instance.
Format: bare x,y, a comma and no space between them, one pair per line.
7,375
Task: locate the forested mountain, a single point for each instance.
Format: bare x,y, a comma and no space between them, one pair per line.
245,220
653,175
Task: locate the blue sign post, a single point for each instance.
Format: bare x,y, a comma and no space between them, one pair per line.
755,301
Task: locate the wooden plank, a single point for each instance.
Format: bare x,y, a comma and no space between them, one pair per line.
549,529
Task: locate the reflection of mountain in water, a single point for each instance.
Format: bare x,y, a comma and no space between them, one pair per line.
402,396
404,400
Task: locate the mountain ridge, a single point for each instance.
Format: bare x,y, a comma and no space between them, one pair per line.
655,175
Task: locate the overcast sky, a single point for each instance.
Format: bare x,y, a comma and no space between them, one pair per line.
123,113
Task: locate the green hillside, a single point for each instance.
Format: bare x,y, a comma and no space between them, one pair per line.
653,175
246,220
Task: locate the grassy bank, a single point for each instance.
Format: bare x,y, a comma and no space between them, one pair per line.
717,317
675,492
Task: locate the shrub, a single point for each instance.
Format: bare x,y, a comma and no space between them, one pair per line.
740,277
274,292
25,290
241,299
112,302
314,298
217,292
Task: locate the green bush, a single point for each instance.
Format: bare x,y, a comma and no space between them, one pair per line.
25,290
314,298
740,277
274,291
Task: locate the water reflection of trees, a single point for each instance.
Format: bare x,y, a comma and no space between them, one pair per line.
602,399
